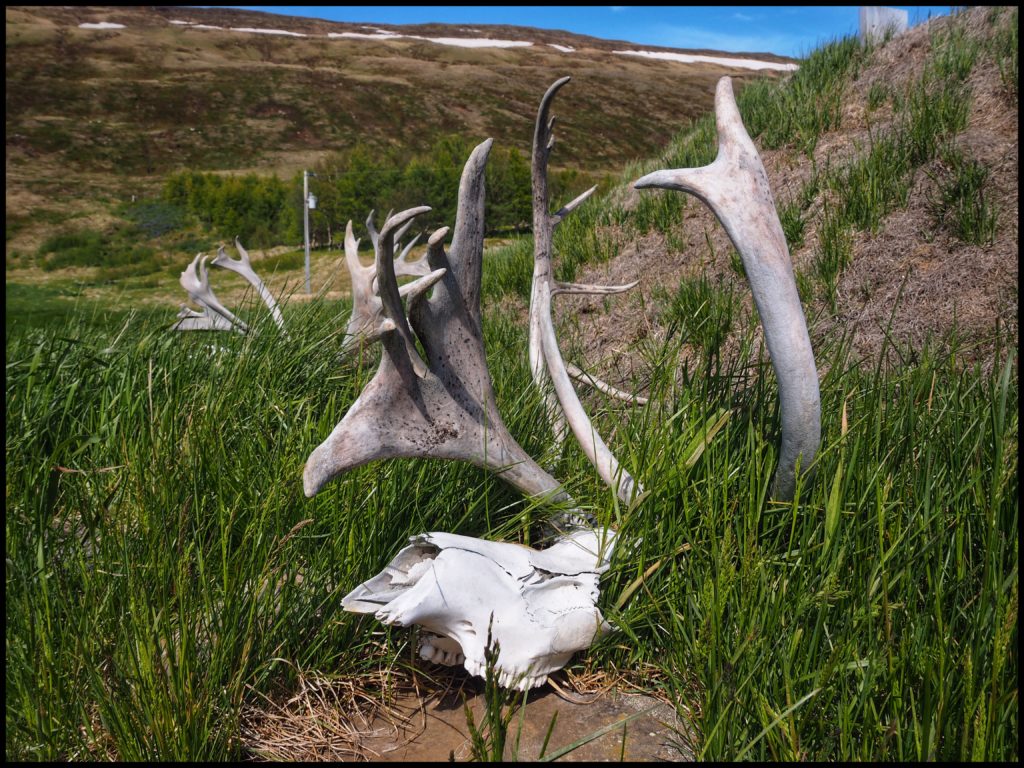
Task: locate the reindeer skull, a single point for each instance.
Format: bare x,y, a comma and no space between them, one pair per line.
540,606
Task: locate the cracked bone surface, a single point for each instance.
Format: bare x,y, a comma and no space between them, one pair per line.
735,187
544,602
196,282
545,356
540,606
243,266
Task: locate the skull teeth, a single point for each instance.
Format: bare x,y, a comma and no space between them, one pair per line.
507,678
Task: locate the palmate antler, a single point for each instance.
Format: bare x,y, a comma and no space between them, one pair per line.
735,187
541,605
215,316
441,407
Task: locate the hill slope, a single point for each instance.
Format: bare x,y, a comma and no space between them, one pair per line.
98,113
901,215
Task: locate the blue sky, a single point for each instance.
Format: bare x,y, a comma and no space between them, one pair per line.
784,30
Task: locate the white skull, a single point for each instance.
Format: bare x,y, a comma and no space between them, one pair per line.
543,602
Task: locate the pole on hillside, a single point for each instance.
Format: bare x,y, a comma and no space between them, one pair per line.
305,221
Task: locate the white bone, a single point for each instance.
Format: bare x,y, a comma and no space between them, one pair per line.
544,353
585,378
243,267
196,282
190,320
441,407
539,606
735,186
367,322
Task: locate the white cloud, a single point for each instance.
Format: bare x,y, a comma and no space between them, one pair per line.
742,17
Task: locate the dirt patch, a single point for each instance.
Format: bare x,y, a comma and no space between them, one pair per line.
423,719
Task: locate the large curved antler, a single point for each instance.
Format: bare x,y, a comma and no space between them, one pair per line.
243,266
443,406
735,187
543,350
196,282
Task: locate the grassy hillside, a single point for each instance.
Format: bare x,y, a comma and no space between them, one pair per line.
171,593
95,116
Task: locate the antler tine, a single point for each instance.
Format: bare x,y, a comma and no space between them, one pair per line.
735,186
366,321
243,267
571,206
401,232
405,267
195,279
577,374
593,289
544,351
242,253
387,284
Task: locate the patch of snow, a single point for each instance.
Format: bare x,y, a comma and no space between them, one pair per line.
267,31
462,42
101,25
180,22
378,35
687,58
562,48
207,26
471,42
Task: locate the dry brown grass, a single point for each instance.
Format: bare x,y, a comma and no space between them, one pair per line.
936,277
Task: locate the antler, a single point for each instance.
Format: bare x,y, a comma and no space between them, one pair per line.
544,351
243,267
735,187
190,320
444,406
367,321
196,282
403,267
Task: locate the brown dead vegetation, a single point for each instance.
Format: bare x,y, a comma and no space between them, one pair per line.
909,283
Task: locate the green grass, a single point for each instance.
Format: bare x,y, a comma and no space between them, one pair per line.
156,525
961,203
701,312
835,250
797,111
156,529
873,184
1005,48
